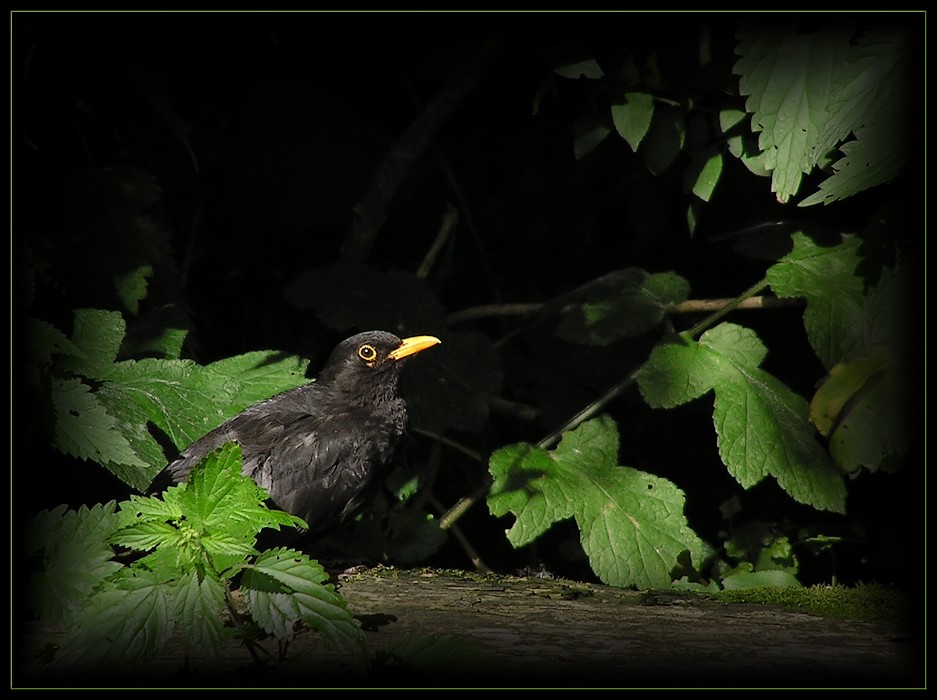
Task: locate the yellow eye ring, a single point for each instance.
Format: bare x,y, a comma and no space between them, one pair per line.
368,353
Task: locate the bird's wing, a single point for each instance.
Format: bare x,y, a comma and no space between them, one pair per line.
316,469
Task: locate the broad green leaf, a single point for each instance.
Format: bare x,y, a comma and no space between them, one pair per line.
633,119
631,523
181,398
124,621
44,340
84,429
260,375
841,318
624,303
198,606
843,383
788,78
875,157
761,425
132,423
76,558
872,430
284,586
708,177
874,78
664,139
97,335
583,69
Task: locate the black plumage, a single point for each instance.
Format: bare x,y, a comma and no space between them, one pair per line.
316,448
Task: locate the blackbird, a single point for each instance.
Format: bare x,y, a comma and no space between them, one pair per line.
317,447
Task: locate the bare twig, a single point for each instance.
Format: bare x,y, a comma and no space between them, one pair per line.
467,547
449,220
369,213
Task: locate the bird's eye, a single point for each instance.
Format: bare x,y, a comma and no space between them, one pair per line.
367,353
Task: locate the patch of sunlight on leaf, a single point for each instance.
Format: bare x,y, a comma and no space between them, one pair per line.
631,523
761,425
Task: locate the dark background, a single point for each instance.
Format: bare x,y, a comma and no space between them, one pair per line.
252,136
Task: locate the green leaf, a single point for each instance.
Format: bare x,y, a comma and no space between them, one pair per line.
664,140
843,383
97,335
708,177
84,429
621,304
44,341
260,375
582,69
197,607
840,319
761,425
873,80
633,119
131,287
125,620
284,586
631,523
181,398
789,78
76,557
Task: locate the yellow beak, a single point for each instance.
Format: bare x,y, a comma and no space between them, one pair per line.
411,346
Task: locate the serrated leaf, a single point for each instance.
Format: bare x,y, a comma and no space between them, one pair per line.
633,119
148,534
789,78
761,425
874,77
631,523
183,399
260,375
839,318
97,334
124,621
76,558
875,157
623,303
84,429
284,586
44,341
197,607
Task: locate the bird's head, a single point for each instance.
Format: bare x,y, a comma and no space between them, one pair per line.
369,363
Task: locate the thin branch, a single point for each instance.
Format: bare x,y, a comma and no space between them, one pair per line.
370,212
449,220
467,547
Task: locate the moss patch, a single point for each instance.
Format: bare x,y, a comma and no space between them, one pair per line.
872,603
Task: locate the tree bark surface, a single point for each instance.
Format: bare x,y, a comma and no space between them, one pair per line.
533,632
